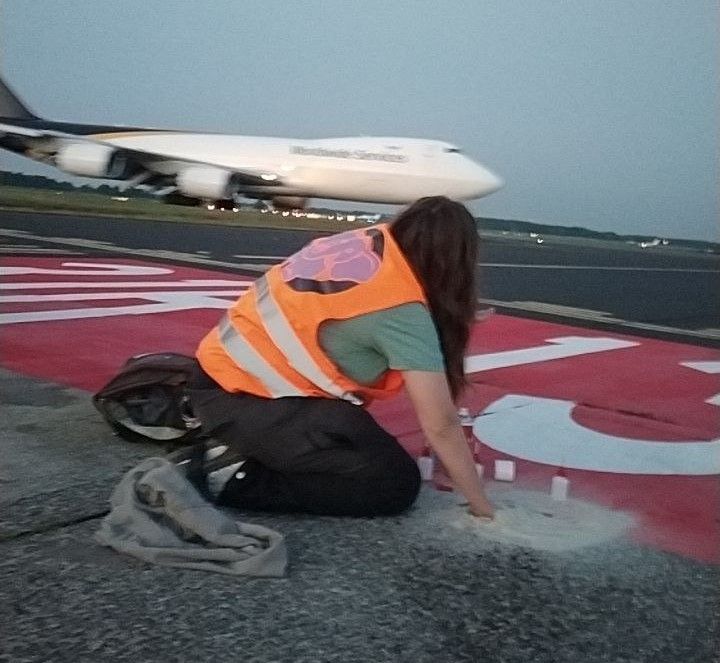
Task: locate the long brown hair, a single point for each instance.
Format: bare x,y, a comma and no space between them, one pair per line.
439,238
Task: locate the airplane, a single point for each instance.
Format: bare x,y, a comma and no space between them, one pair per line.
201,168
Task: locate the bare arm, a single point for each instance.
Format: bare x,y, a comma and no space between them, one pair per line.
430,396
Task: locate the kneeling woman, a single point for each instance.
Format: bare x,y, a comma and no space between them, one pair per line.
284,377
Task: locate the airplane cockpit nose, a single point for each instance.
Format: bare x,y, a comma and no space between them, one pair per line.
487,182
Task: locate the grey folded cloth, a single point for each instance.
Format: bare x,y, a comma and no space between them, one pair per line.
158,516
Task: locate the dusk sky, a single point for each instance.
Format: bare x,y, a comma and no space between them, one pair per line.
597,113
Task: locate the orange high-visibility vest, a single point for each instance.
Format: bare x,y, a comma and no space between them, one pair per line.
267,343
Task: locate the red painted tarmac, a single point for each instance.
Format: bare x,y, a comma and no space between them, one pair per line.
76,324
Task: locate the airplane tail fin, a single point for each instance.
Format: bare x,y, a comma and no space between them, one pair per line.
11,106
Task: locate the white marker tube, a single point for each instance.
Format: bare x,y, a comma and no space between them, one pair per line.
466,421
504,470
426,465
559,488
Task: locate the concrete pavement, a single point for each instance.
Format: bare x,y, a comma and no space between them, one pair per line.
407,588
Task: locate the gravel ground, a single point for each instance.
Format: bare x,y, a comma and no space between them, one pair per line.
356,591
406,588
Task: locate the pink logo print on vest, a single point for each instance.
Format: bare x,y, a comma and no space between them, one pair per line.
344,257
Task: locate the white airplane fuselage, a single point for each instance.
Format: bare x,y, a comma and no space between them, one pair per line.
379,170
208,166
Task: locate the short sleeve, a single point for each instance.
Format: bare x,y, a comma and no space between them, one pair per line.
403,338
407,337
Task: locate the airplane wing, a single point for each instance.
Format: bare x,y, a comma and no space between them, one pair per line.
57,145
12,130
159,164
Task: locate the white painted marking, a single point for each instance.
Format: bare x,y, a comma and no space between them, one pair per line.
711,367
565,346
98,296
259,267
161,299
185,283
88,269
152,253
165,302
542,430
256,257
215,452
704,366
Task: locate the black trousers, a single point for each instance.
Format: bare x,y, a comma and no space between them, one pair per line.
310,455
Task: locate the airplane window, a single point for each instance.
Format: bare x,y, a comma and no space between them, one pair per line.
453,149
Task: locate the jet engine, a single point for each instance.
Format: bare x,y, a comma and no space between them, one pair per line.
289,202
93,160
205,182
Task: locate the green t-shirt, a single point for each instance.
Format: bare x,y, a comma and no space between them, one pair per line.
403,337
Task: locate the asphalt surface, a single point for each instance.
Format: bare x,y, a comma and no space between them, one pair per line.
381,590
386,589
663,287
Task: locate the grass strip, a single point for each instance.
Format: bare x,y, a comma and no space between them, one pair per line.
94,204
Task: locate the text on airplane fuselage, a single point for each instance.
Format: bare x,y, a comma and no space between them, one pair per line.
347,154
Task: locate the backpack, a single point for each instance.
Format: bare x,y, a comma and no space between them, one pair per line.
147,400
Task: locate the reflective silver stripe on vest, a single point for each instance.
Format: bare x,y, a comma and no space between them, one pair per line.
285,339
249,360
